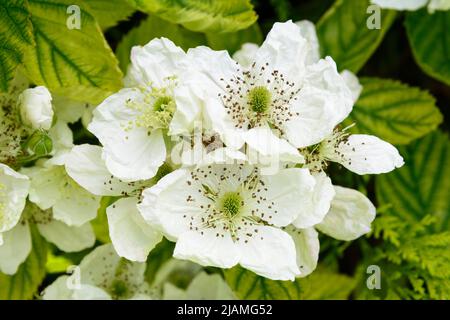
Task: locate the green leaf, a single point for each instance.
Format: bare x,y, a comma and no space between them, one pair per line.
247,285
74,62
15,36
151,28
234,40
429,38
344,35
394,111
324,284
108,12
160,254
100,223
201,15
24,284
421,187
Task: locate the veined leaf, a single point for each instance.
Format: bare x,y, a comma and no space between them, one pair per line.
429,38
73,62
394,111
15,36
247,285
324,284
202,15
153,27
421,186
344,35
109,12
234,40
24,284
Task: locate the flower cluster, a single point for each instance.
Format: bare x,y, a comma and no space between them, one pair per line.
226,157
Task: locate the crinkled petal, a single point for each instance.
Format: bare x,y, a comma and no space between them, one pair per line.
14,189
366,154
130,151
307,246
245,56
352,83
308,31
285,193
15,248
207,249
269,253
154,62
130,234
350,215
85,165
314,209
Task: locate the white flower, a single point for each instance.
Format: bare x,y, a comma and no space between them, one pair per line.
130,123
281,96
36,108
413,5
13,193
102,275
360,153
131,236
349,217
223,215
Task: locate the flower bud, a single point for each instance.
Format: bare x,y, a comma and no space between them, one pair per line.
36,108
39,144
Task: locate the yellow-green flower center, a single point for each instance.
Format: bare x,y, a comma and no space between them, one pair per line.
259,99
231,204
119,289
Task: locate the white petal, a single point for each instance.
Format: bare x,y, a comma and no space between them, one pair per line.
307,246
164,204
246,55
36,108
152,63
88,292
308,31
67,110
15,248
62,137
365,154
400,4
130,234
46,184
76,206
322,103
207,249
209,287
263,141
189,107
352,83
14,189
66,238
129,152
99,266
270,253
287,192
350,215
314,209
85,165
442,5
284,49
58,290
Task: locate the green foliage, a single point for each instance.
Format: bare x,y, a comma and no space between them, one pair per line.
108,12
24,284
247,285
321,284
153,27
76,63
160,254
344,35
394,111
15,36
100,223
421,187
430,42
233,41
201,15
